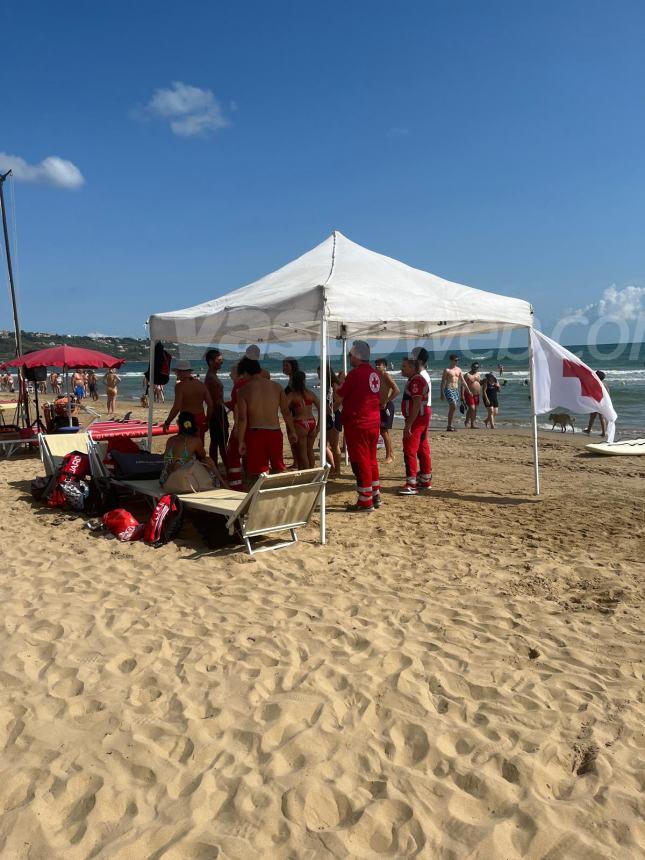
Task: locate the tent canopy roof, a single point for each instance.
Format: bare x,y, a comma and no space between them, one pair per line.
364,294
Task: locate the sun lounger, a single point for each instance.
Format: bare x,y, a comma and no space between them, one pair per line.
12,438
55,446
133,429
275,503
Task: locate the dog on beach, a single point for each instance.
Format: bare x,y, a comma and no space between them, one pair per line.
563,420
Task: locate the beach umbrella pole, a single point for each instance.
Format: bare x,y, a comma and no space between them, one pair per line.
534,427
151,386
323,420
344,345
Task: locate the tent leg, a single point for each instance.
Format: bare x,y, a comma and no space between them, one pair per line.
534,428
323,421
151,388
344,344
69,399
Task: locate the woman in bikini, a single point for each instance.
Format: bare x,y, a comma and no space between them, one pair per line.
301,403
111,380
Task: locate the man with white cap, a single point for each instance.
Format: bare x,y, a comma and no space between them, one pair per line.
361,423
190,396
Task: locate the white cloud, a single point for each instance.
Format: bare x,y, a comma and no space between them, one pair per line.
189,110
621,305
51,171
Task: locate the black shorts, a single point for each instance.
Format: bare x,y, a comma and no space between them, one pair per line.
492,399
387,416
218,426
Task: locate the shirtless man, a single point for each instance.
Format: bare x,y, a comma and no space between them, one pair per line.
218,425
389,391
190,396
78,384
258,406
452,381
54,381
471,381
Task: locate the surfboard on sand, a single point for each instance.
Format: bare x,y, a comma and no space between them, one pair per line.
626,447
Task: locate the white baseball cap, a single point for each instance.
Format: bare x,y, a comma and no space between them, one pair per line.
360,349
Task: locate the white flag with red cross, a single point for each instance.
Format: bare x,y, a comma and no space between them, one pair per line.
562,380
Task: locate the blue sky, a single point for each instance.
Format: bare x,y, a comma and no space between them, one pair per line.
498,144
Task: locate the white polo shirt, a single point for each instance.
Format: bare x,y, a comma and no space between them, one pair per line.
424,373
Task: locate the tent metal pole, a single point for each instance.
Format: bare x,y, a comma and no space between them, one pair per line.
344,343
323,421
534,428
151,386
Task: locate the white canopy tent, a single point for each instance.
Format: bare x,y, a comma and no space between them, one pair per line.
342,290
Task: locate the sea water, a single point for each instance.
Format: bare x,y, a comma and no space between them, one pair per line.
624,365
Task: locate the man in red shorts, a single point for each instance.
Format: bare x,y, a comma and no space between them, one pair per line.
360,394
190,396
472,384
416,448
259,404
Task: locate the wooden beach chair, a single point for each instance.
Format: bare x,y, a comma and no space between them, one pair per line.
275,503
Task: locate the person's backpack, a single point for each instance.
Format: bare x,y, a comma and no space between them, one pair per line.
123,525
162,362
165,521
70,487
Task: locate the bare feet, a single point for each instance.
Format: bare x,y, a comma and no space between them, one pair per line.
389,460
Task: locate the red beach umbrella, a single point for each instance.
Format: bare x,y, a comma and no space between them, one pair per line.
64,356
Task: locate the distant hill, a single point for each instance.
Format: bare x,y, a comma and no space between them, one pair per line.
130,348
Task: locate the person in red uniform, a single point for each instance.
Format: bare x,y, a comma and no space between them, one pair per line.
416,448
360,395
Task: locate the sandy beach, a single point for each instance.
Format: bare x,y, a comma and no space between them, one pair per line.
458,675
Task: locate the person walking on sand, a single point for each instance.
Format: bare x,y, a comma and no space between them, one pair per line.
78,384
416,448
593,415
334,423
54,381
259,404
471,381
191,395
452,381
490,392
389,392
91,382
360,395
111,380
218,425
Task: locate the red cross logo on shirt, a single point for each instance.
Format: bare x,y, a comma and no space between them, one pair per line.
589,383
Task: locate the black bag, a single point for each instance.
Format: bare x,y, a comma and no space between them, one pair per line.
462,407
102,498
140,466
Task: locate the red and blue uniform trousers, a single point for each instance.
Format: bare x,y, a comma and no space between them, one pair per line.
361,447
416,453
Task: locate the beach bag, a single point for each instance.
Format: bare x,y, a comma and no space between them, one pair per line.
162,362
192,478
102,497
123,525
165,521
39,487
70,485
140,466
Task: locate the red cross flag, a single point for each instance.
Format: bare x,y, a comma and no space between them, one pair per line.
561,380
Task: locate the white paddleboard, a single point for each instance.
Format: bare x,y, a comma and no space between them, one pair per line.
626,447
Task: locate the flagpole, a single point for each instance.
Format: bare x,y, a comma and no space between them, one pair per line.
536,463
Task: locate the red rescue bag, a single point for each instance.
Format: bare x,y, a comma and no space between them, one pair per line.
165,521
122,524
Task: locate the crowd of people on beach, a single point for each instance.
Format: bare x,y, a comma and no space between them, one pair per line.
245,434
